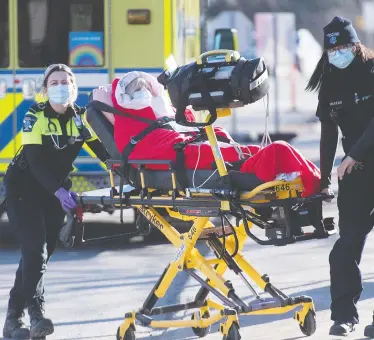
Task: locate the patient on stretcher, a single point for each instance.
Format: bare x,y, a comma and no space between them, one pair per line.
140,94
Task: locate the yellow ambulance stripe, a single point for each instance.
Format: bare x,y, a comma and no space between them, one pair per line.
9,151
167,30
8,105
92,154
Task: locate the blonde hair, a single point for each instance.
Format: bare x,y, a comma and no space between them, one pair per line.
64,68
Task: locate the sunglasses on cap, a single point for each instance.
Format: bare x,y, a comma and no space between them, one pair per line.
340,49
50,68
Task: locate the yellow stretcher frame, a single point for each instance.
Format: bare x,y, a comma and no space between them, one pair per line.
189,259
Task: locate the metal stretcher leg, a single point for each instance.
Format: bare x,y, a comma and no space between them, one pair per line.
279,303
187,253
189,259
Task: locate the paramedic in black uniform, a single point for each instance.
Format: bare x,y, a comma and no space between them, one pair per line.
344,78
38,193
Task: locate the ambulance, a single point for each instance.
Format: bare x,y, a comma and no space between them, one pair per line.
100,40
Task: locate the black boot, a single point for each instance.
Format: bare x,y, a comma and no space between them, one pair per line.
369,330
40,326
14,327
342,328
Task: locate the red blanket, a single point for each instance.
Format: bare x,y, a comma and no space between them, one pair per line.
277,158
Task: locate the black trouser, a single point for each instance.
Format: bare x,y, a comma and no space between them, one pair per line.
37,222
355,201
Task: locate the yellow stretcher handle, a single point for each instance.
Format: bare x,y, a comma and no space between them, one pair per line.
223,112
230,55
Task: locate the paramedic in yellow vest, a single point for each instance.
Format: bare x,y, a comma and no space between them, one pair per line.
38,193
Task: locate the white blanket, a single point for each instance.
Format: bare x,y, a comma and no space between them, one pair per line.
106,191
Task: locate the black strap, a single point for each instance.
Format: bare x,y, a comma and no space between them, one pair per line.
207,98
135,140
95,104
179,167
153,125
236,75
180,170
121,185
129,148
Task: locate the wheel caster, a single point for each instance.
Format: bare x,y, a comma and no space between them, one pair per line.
310,323
233,333
329,225
129,335
201,332
369,331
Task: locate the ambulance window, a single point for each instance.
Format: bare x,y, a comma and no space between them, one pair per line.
4,34
223,41
55,31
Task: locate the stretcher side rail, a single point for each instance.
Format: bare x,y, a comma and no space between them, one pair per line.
242,197
210,204
287,186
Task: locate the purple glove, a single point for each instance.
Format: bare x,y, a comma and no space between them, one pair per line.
67,199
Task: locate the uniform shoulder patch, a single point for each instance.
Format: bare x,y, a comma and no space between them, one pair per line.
28,122
39,107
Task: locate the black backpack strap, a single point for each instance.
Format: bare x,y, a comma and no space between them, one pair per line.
200,79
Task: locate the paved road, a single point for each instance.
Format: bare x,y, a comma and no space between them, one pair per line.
89,290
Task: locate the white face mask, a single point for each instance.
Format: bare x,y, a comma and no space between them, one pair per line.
341,59
60,94
143,93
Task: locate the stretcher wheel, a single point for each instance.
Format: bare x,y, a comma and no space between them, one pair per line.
201,332
233,333
129,335
310,323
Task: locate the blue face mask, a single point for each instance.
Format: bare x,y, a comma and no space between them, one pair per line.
341,59
59,94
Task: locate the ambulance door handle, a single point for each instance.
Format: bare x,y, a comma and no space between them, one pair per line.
3,88
29,88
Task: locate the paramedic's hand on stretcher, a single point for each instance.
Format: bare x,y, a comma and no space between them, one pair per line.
346,166
68,199
327,192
